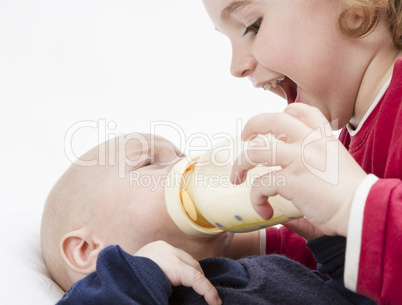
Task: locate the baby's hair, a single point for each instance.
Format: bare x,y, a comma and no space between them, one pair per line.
372,10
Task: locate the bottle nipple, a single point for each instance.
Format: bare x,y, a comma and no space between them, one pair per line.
180,204
186,196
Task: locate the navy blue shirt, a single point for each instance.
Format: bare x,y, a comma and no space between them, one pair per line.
121,278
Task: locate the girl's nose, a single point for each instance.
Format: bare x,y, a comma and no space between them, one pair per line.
242,65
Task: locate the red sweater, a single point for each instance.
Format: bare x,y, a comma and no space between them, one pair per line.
377,147
285,242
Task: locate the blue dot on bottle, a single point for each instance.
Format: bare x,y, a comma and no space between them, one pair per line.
238,218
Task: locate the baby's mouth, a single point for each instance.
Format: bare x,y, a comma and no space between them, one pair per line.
283,87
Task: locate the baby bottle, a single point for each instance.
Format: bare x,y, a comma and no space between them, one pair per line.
202,201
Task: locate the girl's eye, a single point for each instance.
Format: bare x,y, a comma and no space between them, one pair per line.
253,28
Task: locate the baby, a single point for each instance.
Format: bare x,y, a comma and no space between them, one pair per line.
102,234
92,207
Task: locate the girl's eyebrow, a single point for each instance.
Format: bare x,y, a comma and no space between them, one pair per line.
234,7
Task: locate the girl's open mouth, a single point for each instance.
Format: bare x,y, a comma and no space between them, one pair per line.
285,88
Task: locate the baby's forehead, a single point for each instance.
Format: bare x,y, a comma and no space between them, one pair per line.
126,152
142,145
136,149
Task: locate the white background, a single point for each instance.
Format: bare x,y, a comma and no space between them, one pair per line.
123,65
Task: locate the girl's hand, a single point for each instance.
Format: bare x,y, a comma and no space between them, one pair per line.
303,228
319,174
181,269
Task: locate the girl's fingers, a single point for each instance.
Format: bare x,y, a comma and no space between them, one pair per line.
282,126
300,129
259,197
310,116
297,121
277,154
303,228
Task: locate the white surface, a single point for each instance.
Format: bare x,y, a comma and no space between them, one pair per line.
24,279
122,64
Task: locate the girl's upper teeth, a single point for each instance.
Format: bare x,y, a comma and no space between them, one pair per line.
273,83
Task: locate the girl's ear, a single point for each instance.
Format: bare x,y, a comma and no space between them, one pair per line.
354,18
357,21
80,250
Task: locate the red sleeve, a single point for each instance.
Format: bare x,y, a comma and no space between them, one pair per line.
380,264
285,242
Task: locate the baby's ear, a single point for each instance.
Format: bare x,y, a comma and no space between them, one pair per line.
80,250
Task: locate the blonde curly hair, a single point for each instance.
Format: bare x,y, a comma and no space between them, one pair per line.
372,11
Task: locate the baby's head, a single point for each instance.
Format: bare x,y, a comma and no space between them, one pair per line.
114,195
